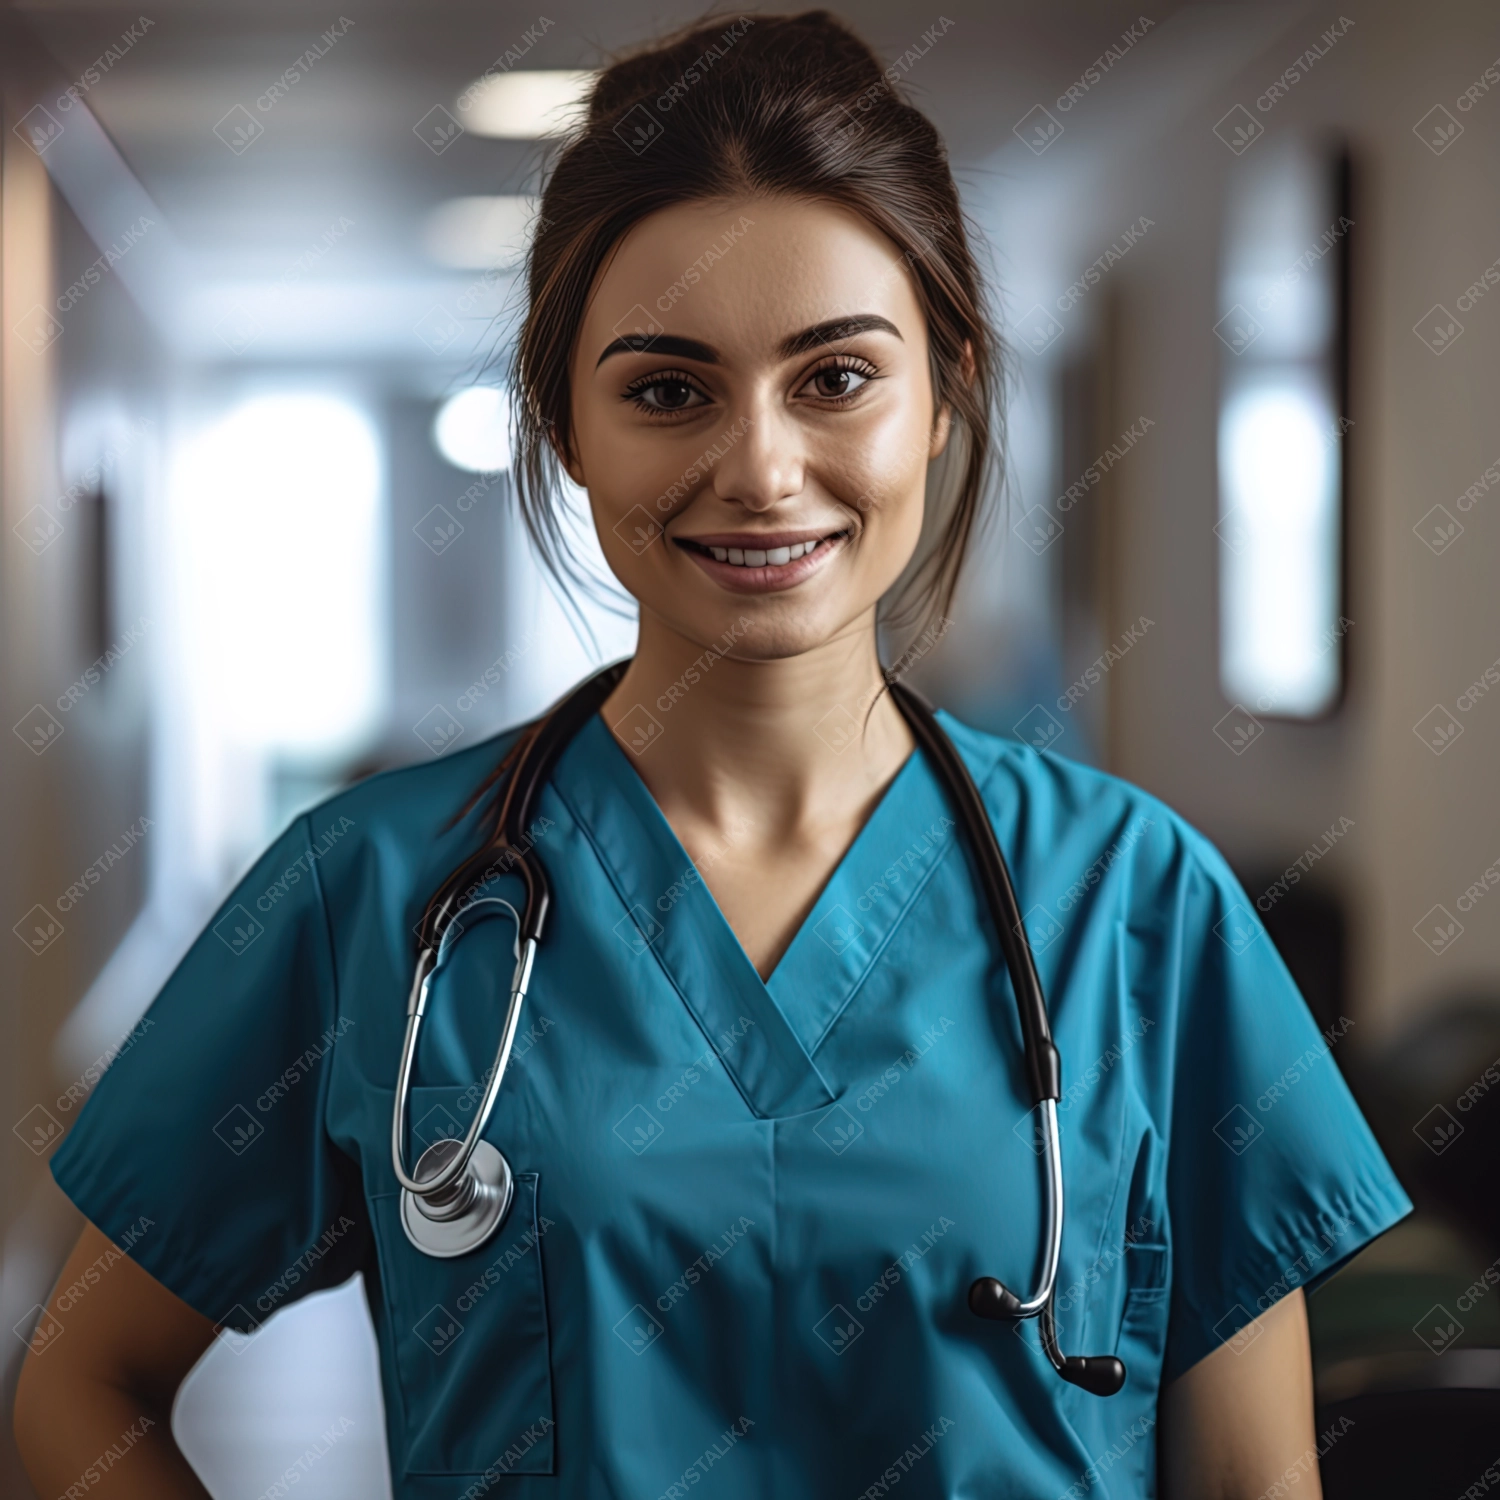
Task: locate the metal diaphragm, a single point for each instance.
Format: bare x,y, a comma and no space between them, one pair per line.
463,1216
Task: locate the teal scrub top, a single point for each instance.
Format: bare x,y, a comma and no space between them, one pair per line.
747,1213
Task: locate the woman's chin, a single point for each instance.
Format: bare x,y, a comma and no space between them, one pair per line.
760,631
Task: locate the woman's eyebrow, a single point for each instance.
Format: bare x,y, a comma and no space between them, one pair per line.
834,329
827,332
661,343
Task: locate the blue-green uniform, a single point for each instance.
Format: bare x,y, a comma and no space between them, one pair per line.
747,1213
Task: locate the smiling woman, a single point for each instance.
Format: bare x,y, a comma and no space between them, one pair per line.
810,970
763,193
829,413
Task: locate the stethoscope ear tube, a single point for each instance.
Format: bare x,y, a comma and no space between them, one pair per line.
552,738
1102,1375
440,1181
1043,1067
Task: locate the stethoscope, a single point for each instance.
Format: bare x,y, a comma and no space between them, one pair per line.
461,1191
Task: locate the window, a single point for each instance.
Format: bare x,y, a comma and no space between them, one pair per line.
1281,434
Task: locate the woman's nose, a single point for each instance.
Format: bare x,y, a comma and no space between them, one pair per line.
760,460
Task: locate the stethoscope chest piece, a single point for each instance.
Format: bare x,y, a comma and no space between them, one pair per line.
464,1216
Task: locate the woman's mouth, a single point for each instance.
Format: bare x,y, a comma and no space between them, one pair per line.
755,564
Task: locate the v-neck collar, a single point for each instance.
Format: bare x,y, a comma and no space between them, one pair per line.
858,912
765,1032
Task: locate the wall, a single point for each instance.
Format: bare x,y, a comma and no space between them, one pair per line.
1426,626
75,415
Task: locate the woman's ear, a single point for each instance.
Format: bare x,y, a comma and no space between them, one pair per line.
942,426
571,467
966,363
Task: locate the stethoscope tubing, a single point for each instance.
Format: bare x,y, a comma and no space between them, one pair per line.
427,970
1052,1216
988,1297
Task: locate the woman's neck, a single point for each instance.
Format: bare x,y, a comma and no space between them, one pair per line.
729,743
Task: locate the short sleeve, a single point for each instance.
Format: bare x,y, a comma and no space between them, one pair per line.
202,1149
1274,1178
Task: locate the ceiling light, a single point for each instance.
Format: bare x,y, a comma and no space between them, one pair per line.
524,106
472,430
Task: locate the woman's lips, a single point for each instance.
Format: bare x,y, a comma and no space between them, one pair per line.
740,578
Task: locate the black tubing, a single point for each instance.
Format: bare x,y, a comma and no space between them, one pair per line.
556,733
1043,1068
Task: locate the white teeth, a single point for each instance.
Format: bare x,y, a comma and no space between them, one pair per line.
775,557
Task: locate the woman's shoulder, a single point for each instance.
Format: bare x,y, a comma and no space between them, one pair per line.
407,821
1049,801
422,792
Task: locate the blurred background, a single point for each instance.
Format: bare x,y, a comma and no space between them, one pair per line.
257,268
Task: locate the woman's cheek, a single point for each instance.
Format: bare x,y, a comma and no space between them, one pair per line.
633,493
885,486
882,464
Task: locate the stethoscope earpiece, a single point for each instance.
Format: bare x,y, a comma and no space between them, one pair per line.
1098,1374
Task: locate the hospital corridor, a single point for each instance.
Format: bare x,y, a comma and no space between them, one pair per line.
753,753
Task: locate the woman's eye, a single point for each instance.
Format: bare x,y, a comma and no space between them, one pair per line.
666,395
834,381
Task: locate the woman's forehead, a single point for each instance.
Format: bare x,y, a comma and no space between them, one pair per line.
747,275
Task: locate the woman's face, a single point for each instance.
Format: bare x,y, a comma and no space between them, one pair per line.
753,418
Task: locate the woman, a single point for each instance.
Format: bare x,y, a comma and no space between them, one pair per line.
767,1111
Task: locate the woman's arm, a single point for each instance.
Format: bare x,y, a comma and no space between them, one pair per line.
1237,1422
94,1406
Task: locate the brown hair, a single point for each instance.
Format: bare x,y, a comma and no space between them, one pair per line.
791,105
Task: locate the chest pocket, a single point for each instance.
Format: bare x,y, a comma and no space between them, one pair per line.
1123,1425
1143,1325
471,1346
